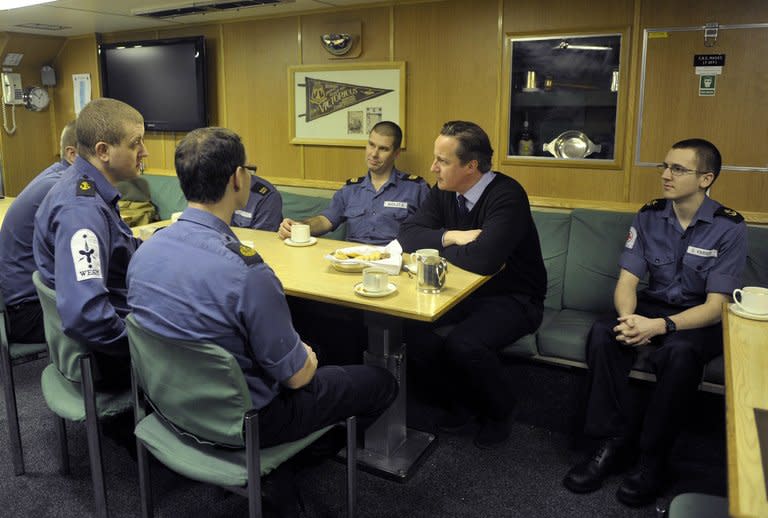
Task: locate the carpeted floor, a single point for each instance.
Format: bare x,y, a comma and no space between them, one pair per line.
457,480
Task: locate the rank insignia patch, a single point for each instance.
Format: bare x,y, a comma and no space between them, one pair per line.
85,188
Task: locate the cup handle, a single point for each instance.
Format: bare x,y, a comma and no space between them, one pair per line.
735,298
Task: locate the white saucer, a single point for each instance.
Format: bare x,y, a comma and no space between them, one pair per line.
312,241
736,310
391,288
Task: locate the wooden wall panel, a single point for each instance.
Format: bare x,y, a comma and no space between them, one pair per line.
77,56
688,13
256,57
33,146
336,164
374,28
452,57
522,16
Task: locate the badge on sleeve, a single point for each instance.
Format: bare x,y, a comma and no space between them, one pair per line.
85,255
631,238
246,253
85,187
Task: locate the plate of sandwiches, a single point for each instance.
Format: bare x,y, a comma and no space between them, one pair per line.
354,259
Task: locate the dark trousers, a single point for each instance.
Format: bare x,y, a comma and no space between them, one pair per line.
335,393
26,323
677,360
463,358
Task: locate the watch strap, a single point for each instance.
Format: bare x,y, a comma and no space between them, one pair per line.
670,324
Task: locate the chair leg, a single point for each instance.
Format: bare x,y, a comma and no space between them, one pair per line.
6,369
60,426
93,433
253,463
351,466
145,486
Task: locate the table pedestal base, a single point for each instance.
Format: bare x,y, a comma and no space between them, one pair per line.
400,464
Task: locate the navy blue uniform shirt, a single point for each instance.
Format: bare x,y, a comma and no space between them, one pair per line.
82,249
16,260
264,210
684,266
374,217
195,281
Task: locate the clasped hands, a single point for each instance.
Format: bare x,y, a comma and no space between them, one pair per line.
637,330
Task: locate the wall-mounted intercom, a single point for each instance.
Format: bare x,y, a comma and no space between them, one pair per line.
12,90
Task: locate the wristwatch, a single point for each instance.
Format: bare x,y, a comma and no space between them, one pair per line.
671,326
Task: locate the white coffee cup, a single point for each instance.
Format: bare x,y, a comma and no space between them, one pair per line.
423,252
752,299
299,233
375,280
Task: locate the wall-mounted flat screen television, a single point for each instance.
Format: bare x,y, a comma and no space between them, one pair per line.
163,79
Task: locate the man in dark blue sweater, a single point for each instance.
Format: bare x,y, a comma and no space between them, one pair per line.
480,221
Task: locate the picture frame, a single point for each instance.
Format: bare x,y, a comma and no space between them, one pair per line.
338,104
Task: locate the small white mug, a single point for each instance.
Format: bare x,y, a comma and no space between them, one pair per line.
375,280
299,233
752,299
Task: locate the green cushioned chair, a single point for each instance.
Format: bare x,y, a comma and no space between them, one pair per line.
697,505
201,423
68,389
12,354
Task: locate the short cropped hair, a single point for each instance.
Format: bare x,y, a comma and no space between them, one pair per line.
707,155
474,143
68,137
205,159
390,129
104,120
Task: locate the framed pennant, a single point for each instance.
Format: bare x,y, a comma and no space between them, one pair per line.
337,105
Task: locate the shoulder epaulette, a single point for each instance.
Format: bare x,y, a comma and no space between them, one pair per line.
731,214
259,188
657,204
414,178
353,181
85,187
246,253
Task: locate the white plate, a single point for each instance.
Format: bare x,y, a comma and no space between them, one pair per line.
391,288
312,241
736,310
349,267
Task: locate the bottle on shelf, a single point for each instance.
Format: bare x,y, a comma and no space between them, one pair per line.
525,145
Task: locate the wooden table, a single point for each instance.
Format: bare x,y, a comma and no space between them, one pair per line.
4,204
746,388
390,447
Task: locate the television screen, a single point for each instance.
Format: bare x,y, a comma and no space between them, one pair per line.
163,79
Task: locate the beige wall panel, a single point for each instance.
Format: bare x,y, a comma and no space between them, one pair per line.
687,13
563,182
334,163
375,35
256,58
734,116
523,16
452,71
77,56
31,148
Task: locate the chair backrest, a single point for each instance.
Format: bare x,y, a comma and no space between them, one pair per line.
197,386
65,353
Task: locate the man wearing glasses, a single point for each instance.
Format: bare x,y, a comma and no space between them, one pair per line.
264,210
693,250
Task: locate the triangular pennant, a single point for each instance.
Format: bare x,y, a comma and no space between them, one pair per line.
326,97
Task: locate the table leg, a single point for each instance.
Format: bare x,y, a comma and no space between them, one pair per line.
391,449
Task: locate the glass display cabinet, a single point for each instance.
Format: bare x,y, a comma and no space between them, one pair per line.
564,96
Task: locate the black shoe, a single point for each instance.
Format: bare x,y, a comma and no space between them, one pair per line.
455,420
588,476
644,483
493,433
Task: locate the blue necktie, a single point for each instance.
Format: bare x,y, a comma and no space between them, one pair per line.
462,201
